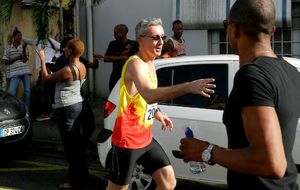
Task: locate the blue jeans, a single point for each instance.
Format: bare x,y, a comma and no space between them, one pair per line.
14,83
69,123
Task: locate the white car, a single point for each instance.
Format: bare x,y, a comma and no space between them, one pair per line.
202,115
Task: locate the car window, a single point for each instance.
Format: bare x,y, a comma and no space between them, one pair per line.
185,73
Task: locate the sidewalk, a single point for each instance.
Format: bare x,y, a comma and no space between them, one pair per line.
46,133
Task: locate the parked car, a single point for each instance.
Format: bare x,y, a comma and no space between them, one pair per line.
15,126
202,115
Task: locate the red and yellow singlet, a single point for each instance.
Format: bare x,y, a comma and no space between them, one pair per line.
135,117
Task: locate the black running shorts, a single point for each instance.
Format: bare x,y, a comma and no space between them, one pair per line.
124,160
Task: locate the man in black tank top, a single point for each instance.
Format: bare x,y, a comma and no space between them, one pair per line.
117,52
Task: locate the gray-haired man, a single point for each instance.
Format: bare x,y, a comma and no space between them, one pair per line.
137,108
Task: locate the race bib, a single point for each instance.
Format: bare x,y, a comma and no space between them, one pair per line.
151,109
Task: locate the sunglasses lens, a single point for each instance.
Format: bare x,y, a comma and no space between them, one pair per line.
225,23
156,38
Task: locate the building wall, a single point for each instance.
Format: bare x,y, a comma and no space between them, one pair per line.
129,12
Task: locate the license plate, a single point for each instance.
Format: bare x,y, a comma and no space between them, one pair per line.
11,131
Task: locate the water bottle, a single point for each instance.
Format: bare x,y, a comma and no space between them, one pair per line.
195,167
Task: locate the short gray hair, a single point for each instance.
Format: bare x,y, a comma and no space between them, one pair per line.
142,27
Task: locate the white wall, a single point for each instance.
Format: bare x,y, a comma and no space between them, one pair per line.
196,41
130,12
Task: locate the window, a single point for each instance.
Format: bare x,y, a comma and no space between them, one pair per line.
224,44
281,42
179,74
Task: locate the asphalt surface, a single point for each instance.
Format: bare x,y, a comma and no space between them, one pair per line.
46,142
46,133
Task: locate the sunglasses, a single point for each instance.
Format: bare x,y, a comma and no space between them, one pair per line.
226,23
155,38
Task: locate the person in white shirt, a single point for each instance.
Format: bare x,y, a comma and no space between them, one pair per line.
45,91
15,58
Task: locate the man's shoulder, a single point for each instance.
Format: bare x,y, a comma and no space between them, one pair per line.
260,66
134,58
113,42
132,46
170,41
132,41
9,47
134,61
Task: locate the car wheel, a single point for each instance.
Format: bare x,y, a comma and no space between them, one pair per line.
141,180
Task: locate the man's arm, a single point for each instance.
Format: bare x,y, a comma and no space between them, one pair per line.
11,61
8,60
89,64
109,58
137,80
170,45
263,157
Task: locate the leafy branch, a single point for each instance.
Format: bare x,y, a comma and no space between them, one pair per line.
40,17
42,10
6,7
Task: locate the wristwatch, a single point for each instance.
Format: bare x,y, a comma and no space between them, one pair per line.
207,155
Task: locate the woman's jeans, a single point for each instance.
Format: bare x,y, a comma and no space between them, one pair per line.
69,124
14,83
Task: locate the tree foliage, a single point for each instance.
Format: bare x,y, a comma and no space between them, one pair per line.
6,7
40,16
42,10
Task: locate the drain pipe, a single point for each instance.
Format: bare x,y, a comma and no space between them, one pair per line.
61,22
89,45
77,25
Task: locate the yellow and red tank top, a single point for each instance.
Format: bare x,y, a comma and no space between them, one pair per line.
134,120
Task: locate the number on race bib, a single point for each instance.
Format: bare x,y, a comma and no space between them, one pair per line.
151,113
151,109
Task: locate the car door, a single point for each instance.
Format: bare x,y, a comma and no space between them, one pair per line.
202,115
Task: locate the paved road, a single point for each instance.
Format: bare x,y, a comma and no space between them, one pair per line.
47,131
42,166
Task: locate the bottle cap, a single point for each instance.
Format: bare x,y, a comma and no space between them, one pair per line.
189,132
